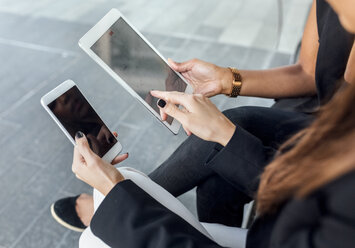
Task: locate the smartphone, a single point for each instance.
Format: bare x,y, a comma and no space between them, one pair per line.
72,112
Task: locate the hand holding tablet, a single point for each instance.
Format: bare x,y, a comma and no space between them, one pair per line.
133,62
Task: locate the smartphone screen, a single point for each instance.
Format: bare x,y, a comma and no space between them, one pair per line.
128,55
76,114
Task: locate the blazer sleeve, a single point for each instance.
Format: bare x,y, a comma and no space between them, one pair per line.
129,217
337,225
241,161
332,225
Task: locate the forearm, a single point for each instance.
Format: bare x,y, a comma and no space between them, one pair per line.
289,81
282,82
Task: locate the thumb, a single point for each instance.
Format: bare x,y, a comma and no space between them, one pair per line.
83,146
181,67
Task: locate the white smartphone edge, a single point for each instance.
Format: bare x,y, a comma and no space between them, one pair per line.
96,33
58,91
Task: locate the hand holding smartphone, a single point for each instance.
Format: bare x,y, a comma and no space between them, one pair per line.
72,112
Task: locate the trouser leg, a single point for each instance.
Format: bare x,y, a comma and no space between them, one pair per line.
185,168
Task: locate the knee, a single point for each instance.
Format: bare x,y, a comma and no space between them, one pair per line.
239,116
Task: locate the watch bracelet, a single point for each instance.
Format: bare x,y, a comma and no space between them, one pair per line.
237,82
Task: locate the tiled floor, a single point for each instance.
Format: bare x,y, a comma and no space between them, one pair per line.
38,50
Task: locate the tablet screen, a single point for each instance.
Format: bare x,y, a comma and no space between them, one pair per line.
127,54
76,114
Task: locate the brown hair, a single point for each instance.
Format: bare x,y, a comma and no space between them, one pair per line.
321,153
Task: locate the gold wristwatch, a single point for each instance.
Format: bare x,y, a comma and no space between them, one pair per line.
237,82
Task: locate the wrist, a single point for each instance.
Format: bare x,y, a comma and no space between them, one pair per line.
111,182
227,133
227,81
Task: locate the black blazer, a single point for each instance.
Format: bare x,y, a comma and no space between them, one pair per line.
130,218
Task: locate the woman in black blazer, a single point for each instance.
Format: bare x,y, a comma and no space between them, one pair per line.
305,196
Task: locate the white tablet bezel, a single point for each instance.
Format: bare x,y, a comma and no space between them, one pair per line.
54,94
95,33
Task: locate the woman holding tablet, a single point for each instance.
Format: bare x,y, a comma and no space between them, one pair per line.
226,173
327,54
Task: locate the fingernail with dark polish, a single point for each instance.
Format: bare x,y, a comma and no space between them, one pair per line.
79,134
161,103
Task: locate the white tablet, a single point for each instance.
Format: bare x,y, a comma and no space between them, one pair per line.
132,61
72,112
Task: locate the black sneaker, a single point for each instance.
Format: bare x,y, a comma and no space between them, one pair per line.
63,211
